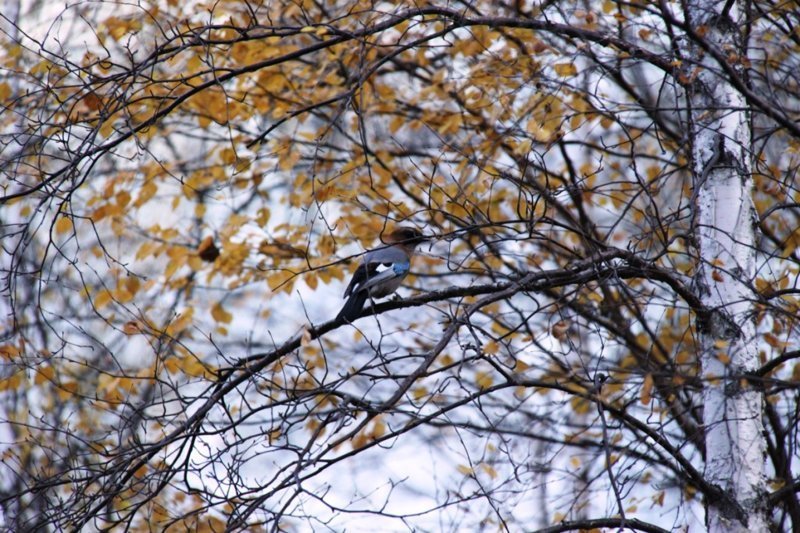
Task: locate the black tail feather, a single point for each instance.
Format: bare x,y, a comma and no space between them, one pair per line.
353,306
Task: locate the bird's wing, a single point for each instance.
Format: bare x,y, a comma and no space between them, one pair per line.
364,272
396,270
367,271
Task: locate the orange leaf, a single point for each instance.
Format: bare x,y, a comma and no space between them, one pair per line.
9,351
647,389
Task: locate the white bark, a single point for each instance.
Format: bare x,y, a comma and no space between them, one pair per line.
725,226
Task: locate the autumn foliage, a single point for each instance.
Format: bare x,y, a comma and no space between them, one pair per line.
186,188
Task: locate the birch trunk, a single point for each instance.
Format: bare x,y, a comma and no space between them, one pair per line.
725,227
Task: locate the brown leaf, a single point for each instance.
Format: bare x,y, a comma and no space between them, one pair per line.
559,330
132,327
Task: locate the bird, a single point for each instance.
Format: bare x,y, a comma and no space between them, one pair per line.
381,271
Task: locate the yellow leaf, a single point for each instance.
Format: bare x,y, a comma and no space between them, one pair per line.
106,382
67,390
323,193
311,280
102,299
379,429
122,295
228,156
219,314
419,393
523,147
181,322
491,348
9,351
173,265
483,379
263,216
774,341
147,191
274,435
566,69
44,374
359,441
489,469
63,225
647,389
579,405
141,471
466,470
123,198
173,365
5,91
191,366
145,249
118,27
11,382
40,68
281,281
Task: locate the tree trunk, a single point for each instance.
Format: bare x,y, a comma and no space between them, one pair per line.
725,227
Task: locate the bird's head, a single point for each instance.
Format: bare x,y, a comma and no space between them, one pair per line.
406,236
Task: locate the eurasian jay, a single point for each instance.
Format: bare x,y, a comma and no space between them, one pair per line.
381,271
